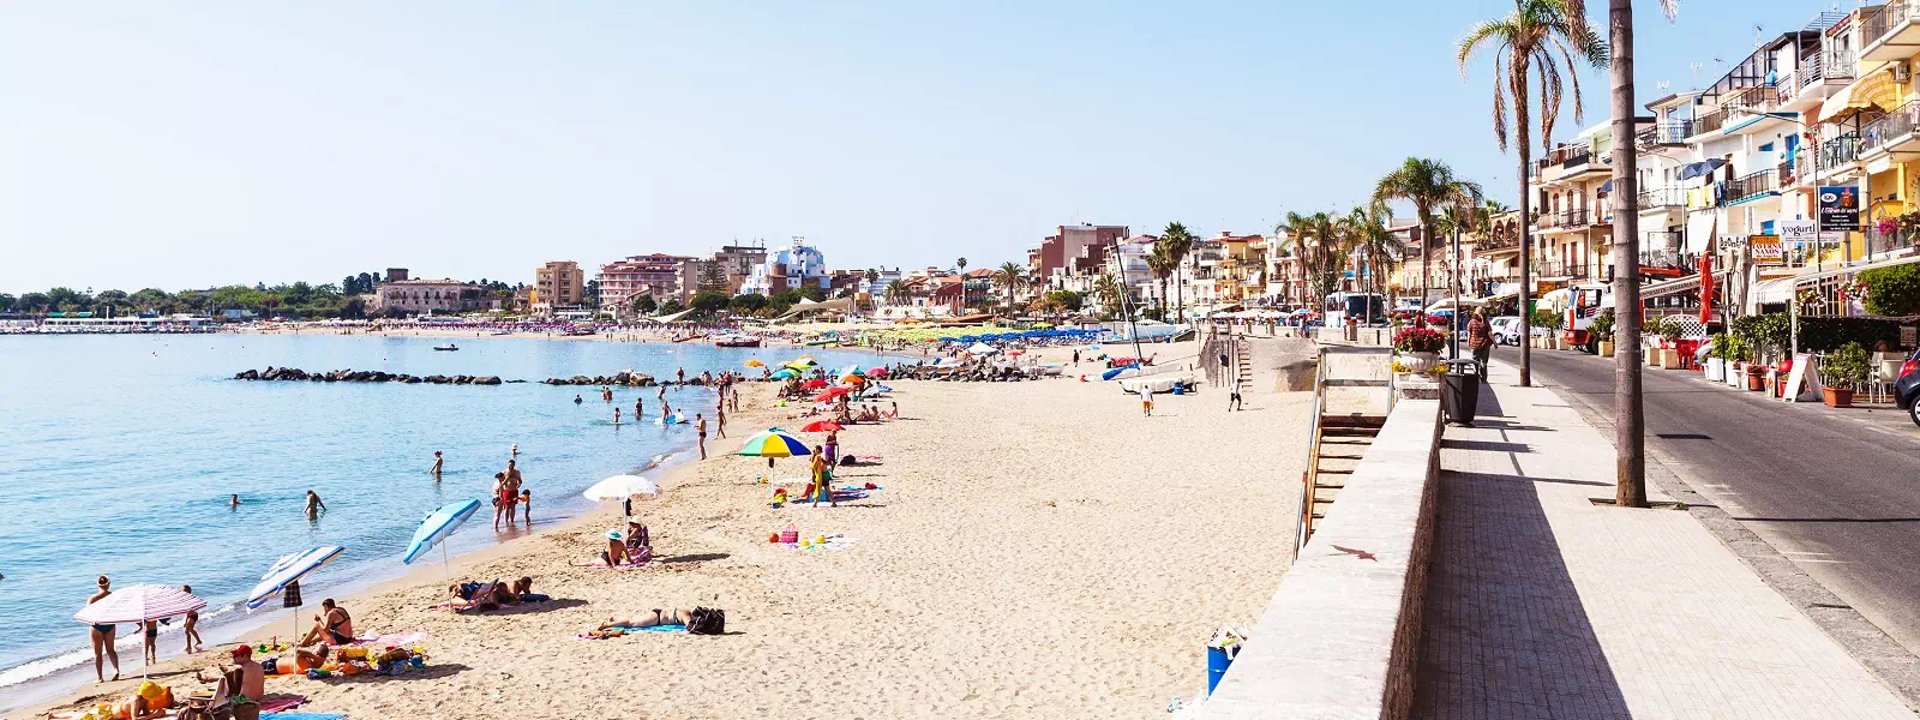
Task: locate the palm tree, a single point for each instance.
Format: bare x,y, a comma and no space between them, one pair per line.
1367,226
1539,38
1630,422
1011,277
1107,291
1160,263
1178,242
898,294
1430,186
962,263
1322,243
872,277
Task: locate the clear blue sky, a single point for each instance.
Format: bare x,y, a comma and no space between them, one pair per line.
177,144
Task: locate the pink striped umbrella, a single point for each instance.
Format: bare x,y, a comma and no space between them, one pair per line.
138,604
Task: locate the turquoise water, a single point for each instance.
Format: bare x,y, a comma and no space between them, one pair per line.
119,453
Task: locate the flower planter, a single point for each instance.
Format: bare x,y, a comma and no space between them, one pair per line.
1736,374
1418,363
1669,359
1606,348
1836,397
1653,356
1756,378
1716,370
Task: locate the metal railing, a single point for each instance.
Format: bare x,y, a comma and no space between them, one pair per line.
1661,198
1709,122
1893,14
1756,99
1753,184
1892,126
1671,132
1839,151
1310,478
1556,268
1838,66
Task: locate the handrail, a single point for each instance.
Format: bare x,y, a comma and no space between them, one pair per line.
1311,477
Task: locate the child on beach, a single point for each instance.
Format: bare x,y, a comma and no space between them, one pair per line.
526,506
149,641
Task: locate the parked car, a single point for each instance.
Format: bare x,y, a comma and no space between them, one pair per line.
1906,390
1506,330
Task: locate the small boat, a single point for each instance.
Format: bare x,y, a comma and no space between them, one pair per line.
736,340
449,347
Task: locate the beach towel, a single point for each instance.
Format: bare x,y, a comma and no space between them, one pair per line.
630,629
281,702
399,639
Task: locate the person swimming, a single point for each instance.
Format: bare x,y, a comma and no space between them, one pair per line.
314,505
233,501
576,399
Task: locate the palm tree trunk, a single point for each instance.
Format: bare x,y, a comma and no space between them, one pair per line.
1629,438
1518,81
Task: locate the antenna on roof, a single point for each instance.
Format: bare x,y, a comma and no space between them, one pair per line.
1662,85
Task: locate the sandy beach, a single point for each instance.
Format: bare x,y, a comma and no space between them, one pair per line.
1037,549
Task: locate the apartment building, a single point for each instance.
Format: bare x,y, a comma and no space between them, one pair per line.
558,283
658,275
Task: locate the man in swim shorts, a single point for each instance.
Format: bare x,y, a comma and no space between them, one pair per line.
700,425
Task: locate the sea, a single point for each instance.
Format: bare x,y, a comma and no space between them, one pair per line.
119,454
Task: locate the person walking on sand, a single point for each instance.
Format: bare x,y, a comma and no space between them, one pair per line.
439,463
103,634
700,426
1146,402
720,418
314,506
822,478
192,627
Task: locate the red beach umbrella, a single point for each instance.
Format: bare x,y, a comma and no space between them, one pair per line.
813,384
820,426
877,371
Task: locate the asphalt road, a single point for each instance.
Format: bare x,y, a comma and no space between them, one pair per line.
1837,491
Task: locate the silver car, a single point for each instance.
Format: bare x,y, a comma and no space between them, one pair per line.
1505,329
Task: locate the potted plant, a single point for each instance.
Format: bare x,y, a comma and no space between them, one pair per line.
1716,368
1670,349
1651,330
1417,349
1549,321
1602,329
1843,371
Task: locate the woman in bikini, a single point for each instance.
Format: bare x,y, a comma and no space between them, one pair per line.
333,626
103,634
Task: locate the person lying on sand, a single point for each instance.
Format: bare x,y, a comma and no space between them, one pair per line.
698,621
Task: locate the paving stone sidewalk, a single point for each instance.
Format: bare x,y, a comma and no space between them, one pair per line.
1545,605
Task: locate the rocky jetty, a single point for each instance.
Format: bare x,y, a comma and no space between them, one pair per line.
362,376
626,378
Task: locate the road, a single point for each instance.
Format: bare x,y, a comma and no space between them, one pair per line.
1837,491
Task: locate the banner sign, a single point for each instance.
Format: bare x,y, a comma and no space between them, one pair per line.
1766,249
1796,232
1839,207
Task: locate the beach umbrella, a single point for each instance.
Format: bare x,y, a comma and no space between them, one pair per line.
881,371
982,349
785,375
813,384
774,443
435,528
287,571
820,426
138,604
832,392
622,487
755,363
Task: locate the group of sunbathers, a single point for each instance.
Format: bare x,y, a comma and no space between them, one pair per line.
632,546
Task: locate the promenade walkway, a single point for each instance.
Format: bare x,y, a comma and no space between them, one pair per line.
1545,605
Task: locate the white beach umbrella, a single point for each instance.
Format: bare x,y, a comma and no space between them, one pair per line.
622,487
982,349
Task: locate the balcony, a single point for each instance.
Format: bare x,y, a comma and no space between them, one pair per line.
1839,152
1753,185
1661,198
1557,268
1890,33
1564,220
1893,132
1671,132
1708,122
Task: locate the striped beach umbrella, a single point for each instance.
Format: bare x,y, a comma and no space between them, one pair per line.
437,526
138,604
774,443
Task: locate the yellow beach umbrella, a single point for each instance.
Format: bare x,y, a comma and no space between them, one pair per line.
755,363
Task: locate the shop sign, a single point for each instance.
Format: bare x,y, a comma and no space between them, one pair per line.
1765,249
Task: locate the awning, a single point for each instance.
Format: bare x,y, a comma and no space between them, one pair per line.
1773,292
1700,227
1877,89
1675,286
1690,171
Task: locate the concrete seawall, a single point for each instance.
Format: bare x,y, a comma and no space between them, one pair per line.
1340,639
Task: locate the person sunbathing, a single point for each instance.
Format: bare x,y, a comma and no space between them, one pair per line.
482,596
698,621
631,547
149,701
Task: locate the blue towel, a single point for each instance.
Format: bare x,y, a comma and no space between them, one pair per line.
654,628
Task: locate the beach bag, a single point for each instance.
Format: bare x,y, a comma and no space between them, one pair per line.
707,621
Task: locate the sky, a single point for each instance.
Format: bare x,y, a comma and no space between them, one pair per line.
181,145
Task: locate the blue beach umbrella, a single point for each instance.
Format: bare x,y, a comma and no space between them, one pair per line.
437,526
287,570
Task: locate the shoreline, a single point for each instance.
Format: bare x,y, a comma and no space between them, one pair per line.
1013,565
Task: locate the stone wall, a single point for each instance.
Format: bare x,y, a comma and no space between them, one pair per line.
1340,639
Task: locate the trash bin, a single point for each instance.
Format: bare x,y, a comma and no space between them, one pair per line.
1461,393
1218,659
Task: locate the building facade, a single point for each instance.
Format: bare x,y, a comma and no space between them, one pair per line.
657,275
559,283
408,296
792,268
